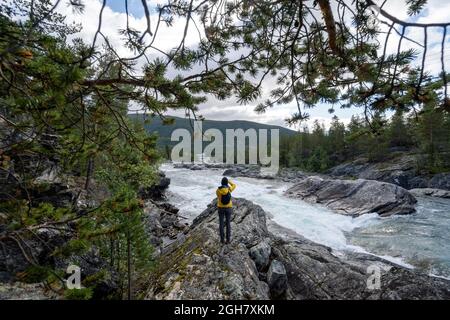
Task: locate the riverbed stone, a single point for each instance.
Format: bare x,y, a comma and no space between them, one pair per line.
277,279
261,255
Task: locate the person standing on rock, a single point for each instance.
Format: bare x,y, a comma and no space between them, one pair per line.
225,208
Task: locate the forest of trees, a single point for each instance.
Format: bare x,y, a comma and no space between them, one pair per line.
426,135
49,120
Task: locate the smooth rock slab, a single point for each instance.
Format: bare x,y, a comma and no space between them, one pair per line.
355,197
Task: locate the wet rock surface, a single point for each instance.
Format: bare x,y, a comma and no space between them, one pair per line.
355,197
197,266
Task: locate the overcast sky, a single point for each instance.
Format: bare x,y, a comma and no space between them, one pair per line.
114,18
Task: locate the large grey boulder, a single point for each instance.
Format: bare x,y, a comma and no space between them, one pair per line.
316,272
162,223
277,279
261,255
197,266
197,166
420,192
354,197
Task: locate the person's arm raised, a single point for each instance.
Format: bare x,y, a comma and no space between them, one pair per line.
232,185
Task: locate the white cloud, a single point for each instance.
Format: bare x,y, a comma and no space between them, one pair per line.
436,11
112,21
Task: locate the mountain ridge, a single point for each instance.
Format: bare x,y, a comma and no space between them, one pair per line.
165,130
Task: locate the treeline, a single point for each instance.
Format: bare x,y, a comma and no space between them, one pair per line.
427,134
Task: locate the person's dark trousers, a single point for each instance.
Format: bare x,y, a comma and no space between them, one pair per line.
225,218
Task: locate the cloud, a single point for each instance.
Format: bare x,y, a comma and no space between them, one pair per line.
113,21
436,11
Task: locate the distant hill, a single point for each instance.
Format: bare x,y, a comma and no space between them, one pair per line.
165,131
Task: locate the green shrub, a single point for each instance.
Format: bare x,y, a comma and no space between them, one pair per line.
78,294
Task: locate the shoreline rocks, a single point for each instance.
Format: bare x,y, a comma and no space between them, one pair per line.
254,171
248,171
156,192
277,279
245,170
401,170
354,197
439,193
401,174
197,266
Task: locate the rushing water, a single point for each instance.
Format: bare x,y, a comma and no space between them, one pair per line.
420,240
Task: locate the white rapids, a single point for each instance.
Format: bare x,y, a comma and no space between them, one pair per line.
193,190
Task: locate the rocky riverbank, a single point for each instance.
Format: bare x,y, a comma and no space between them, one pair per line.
162,221
246,170
401,170
355,197
263,262
26,260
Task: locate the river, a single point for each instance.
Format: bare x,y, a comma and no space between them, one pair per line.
420,240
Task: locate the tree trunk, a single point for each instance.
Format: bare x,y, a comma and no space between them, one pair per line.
129,263
112,244
89,171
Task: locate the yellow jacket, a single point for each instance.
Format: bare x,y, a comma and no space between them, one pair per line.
223,191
